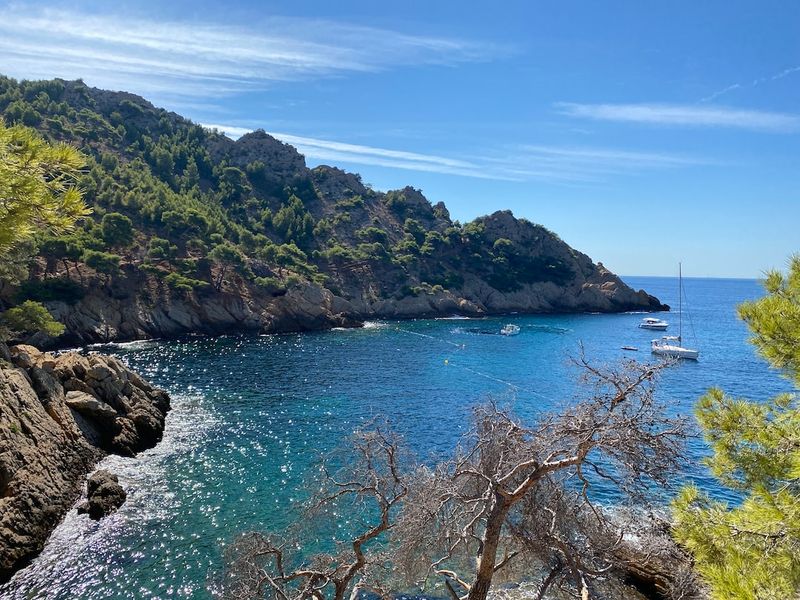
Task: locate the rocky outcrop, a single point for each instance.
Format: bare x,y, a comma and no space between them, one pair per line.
59,415
284,161
100,317
131,314
137,305
104,495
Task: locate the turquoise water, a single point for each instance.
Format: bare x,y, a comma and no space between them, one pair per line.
251,413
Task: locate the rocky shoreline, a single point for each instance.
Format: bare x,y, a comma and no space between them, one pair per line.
59,415
139,307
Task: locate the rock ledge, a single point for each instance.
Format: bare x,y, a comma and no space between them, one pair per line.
59,415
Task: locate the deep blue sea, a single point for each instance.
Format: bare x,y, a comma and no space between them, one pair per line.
251,413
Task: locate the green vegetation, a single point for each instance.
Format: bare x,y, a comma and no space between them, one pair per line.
752,551
102,262
37,185
26,318
53,288
227,256
174,201
116,229
184,284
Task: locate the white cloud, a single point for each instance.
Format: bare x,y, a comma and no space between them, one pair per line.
687,115
369,150
718,93
553,164
329,150
196,58
752,84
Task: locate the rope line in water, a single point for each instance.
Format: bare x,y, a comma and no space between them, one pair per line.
431,337
508,383
447,362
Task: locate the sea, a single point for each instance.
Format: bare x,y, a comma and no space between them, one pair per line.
253,414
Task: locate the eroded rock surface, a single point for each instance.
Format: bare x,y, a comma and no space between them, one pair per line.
59,415
104,495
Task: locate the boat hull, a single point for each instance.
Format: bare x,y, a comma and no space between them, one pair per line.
675,352
655,327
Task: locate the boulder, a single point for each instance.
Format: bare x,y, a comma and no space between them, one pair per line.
104,495
89,406
24,356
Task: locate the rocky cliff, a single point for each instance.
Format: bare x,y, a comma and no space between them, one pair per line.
142,307
59,415
194,232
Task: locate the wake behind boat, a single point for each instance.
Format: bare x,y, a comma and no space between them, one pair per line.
509,329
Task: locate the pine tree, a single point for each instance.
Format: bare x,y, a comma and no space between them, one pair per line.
752,550
37,187
38,191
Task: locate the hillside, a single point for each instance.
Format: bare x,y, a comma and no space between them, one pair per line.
194,232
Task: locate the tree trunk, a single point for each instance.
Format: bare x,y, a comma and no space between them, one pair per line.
488,555
339,589
220,278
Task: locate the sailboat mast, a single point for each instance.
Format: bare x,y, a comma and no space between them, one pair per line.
680,302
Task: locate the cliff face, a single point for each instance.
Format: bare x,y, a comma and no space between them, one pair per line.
143,307
243,235
137,305
59,415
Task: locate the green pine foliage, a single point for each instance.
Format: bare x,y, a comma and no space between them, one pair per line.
751,551
27,318
38,185
116,229
164,190
39,192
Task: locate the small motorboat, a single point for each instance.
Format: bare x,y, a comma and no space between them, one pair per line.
653,323
630,348
509,329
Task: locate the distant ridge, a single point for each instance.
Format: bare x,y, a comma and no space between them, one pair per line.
195,232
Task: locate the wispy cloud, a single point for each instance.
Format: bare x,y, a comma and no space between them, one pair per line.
196,58
718,93
755,83
330,150
686,115
552,164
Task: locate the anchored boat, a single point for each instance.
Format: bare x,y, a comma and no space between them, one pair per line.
653,323
670,346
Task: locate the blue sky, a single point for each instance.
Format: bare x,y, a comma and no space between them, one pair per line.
644,134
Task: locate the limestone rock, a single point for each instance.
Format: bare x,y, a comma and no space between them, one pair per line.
104,495
23,356
89,406
59,415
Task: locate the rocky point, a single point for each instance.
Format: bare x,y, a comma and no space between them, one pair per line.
59,415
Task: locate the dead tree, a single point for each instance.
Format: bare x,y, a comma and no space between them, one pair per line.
525,494
513,497
367,487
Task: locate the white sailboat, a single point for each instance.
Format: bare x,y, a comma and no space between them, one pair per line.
670,346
